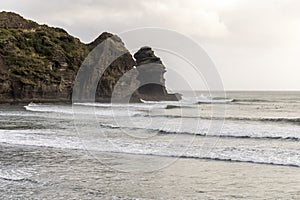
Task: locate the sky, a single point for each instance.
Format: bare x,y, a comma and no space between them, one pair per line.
254,44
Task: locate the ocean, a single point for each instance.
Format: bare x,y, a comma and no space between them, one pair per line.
244,146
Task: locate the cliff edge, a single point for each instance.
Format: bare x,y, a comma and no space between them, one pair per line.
39,63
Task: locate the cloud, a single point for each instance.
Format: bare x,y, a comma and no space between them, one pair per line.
188,17
244,37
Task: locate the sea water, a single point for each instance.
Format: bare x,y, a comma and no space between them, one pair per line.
251,127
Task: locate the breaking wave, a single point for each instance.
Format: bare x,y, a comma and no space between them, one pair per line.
204,134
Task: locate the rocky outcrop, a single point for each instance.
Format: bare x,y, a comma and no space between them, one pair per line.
106,64
151,77
39,63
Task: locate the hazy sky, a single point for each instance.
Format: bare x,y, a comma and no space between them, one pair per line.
255,44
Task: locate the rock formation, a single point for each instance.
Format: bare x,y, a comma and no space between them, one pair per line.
106,64
40,63
151,76
37,62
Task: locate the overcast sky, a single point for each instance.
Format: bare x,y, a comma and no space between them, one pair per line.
255,44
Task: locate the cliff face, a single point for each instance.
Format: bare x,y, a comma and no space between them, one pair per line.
116,69
40,63
105,64
37,62
151,76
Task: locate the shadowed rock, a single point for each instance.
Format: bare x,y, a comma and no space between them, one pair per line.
151,77
40,63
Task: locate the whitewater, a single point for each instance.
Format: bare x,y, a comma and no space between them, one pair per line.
256,127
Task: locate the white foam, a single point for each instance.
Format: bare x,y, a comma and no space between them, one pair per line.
215,100
160,146
38,138
15,174
48,108
79,110
123,106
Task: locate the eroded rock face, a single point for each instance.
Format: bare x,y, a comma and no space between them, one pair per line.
117,68
37,62
107,63
151,76
40,63
146,55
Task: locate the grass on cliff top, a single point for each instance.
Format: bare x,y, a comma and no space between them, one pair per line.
31,54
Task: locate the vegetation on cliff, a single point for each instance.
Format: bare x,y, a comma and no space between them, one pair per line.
38,62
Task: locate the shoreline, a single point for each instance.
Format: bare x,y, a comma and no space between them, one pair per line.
85,177
88,152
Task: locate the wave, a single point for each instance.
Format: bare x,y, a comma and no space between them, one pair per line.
18,175
283,120
48,108
242,161
215,101
129,105
69,110
10,114
194,100
231,136
159,102
218,100
202,100
145,147
253,100
203,134
168,104
224,159
295,121
118,112
26,131
108,109
287,120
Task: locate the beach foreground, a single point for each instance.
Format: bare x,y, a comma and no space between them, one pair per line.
39,173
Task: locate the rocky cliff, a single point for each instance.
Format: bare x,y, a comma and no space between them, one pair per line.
151,76
40,63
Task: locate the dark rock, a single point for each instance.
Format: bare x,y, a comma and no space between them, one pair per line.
151,77
113,61
145,55
101,38
40,63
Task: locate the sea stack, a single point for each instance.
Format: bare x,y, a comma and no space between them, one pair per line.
151,77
